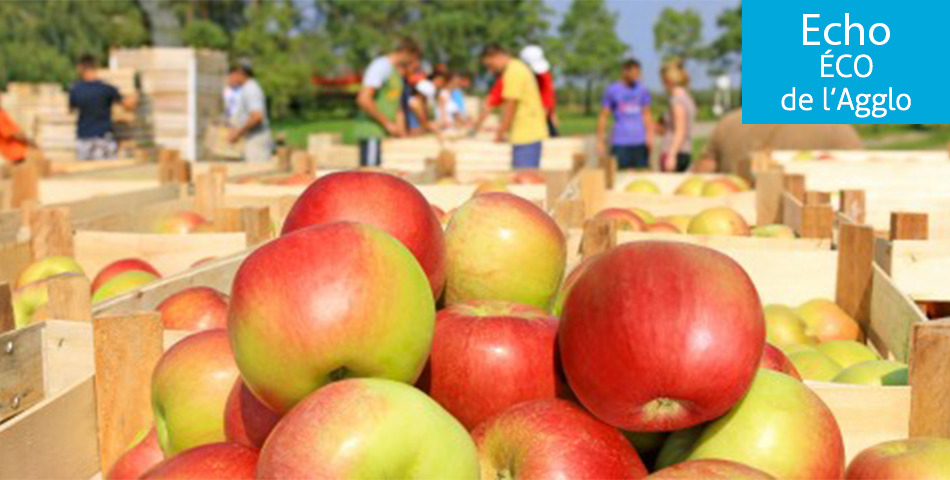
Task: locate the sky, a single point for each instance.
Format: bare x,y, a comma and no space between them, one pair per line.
636,30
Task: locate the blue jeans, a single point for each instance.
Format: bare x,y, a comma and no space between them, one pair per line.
526,156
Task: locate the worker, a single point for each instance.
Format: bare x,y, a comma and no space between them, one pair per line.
13,142
93,100
249,118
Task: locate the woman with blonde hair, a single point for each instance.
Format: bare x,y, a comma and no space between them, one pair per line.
678,120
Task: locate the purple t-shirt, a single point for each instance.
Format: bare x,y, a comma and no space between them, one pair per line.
627,104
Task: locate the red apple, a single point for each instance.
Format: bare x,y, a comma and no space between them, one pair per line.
216,461
384,201
120,266
325,303
139,459
503,247
195,308
488,356
246,419
527,178
827,322
190,387
661,336
368,428
774,359
710,470
554,438
179,222
719,187
626,220
663,227
910,459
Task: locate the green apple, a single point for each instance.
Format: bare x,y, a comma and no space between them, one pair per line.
679,221
503,247
28,301
646,216
719,221
368,428
643,186
780,427
122,283
691,187
784,327
47,267
774,231
874,372
814,365
190,389
848,352
910,459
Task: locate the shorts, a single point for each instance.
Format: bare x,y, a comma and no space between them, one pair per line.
526,156
631,156
99,148
370,152
683,161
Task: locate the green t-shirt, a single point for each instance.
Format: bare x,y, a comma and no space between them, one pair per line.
388,84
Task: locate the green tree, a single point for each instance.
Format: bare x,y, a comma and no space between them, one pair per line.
205,34
679,34
592,49
727,49
455,32
40,40
283,57
363,30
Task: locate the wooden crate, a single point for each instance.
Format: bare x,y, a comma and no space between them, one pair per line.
183,90
477,155
890,182
892,322
89,389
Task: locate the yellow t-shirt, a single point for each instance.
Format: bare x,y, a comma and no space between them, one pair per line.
519,84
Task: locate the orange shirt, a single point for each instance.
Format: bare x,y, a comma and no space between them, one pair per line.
12,149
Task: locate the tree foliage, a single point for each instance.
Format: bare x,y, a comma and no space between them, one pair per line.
679,34
40,40
589,44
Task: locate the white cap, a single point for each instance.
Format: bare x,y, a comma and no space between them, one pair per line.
533,55
426,88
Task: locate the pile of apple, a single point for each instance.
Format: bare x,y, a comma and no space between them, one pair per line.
694,186
718,221
822,342
365,342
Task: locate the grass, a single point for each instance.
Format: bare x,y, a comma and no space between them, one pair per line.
904,137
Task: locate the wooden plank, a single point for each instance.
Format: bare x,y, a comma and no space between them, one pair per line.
769,187
600,235
7,321
51,233
445,164
817,198
866,415
853,205
127,348
69,298
569,214
25,184
908,226
21,370
793,212
209,193
14,258
917,267
593,186
855,272
217,274
893,315
817,221
795,185
62,429
257,225
930,377
283,158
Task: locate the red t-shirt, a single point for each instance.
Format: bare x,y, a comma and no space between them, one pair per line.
545,87
10,148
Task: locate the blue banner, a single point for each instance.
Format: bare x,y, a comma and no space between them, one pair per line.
857,61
